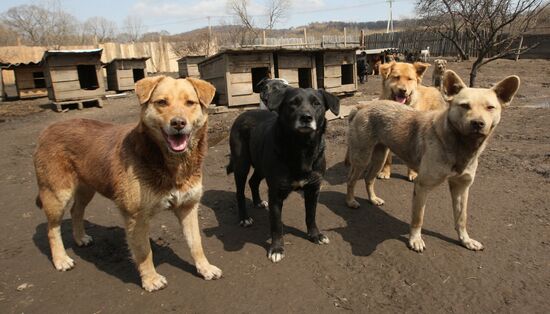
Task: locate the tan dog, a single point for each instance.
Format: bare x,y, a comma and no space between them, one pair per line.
440,145
144,168
401,82
437,75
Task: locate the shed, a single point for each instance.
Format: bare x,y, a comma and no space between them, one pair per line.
188,66
30,81
236,72
123,73
74,75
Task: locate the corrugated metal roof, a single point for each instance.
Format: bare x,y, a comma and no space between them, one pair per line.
129,59
374,51
48,53
20,64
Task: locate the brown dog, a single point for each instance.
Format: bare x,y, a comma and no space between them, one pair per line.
437,75
440,145
402,82
144,168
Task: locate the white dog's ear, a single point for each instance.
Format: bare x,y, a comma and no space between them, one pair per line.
205,91
452,83
420,69
506,89
385,69
146,86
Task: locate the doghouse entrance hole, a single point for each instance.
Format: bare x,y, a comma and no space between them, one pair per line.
87,77
138,74
39,80
258,74
304,77
347,74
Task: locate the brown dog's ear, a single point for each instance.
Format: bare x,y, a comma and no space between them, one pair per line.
385,69
506,89
146,86
452,83
205,91
420,68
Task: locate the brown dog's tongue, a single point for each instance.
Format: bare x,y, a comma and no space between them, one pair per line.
178,143
401,100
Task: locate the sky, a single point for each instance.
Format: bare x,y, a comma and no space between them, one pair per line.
176,16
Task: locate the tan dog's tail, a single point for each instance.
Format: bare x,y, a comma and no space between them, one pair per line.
352,114
347,162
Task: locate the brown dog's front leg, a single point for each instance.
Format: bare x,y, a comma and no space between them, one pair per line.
137,235
459,193
189,219
419,204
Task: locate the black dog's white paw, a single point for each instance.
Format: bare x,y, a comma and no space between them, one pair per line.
247,222
262,205
320,239
276,254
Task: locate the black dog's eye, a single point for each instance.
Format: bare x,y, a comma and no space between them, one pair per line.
316,103
161,102
465,106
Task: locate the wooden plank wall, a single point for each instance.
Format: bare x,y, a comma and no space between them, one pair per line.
213,71
332,68
62,79
289,63
239,69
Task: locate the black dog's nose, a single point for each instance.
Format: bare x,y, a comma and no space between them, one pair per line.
306,118
477,124
178,123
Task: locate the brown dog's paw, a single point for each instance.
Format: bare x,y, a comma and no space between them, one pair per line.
63,263
353,204
473,245
154,282
412,175
85,240
377,201
384,175
209,272
417,244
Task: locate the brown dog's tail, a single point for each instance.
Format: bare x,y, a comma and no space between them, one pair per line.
38,202
347,162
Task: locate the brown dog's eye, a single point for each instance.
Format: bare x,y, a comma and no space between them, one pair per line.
161,102
465,106
490,107
191,103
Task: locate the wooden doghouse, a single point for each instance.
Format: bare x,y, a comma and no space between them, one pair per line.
236,72
123,73
74,76
336,70
30,81
188,66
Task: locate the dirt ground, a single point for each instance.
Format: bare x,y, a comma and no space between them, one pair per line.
367,266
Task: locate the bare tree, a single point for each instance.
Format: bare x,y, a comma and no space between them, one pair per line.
495,26
42,26
276,11
240,9
99,27
133,27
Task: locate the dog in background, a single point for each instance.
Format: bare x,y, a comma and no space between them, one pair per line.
402,82
439,69
269,86
440,145
286,146
144,168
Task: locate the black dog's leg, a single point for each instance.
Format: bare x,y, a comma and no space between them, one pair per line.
276,250
311,195
241,172
254,183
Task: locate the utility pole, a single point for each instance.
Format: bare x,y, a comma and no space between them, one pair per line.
390,19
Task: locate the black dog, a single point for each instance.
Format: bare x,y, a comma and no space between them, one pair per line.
269,87
287,148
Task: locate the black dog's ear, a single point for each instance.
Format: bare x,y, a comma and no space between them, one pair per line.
332,102
275,98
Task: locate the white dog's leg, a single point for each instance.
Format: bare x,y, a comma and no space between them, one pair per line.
419,204
459,193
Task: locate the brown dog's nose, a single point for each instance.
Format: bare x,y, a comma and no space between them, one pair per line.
178,123
402,92
477,124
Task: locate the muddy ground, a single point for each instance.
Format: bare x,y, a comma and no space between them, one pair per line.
367,266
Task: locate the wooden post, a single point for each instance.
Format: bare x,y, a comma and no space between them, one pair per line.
345,38
305,36
519,48
362,39
264,42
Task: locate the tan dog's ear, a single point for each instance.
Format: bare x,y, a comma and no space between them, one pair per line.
205,91
506,89
452,83
420,68
385,69
146,86
445,62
